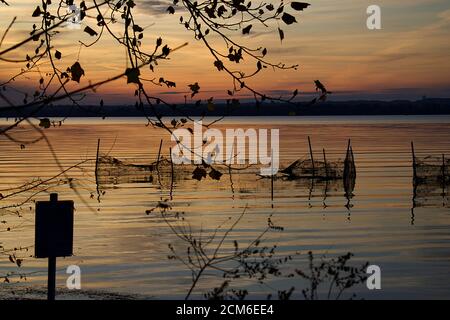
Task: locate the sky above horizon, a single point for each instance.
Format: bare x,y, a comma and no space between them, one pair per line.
407,59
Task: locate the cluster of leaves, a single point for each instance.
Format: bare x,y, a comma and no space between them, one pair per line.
336,273
205,252
15,260
223,18
201,171
13,257
223,292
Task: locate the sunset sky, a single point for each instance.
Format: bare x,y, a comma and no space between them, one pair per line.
407,59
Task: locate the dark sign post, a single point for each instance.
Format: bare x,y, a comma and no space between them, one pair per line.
53,234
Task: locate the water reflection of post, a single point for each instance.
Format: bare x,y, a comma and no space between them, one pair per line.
272,177
443,180
312,157
311,189
157,164
414,183
172,174
96,170
230,173
326,178
311,186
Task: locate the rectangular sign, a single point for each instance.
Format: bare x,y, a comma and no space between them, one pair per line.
54,229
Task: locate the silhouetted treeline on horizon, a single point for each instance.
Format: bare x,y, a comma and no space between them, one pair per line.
361,107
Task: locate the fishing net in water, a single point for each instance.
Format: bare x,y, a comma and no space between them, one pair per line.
432,170
113,171
431,196
431,181
306,168
325,175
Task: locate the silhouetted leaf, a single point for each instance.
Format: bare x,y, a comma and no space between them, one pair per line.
168,83
166,50
281,34
219,65
321,87
57,55
90,31
199,174
215,174
171,10
37,12
76,71
299,6
246,30
288,19
210,12
132,75
44,123
195,88
137,28
221,10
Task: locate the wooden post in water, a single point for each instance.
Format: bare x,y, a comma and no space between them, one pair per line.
172,173
159,154
312,157
414,161
96,158
272,176
96,167
326,164
414,178
443,176
443,167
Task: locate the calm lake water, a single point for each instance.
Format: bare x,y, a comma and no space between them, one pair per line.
122,249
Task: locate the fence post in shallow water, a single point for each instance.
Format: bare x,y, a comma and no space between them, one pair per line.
325,162
414,179
312,157
414,162
159,154
271,178
172,173
443,177
96,163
